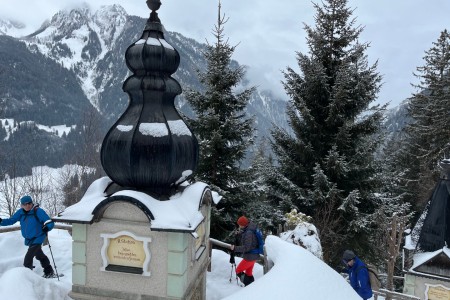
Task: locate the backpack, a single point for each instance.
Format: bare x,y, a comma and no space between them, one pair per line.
374,281
34,209
260,239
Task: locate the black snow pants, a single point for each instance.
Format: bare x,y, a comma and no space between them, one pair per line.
36,251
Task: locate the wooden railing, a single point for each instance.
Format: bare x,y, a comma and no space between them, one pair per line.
16,227
394,295
384,293
213,243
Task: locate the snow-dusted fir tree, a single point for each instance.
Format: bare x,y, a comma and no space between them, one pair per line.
260,208
428,134
327,166
223,129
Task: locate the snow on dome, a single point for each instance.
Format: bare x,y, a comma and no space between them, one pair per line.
178,127
153,129
166,44
124,128
153,41
184,175
180,212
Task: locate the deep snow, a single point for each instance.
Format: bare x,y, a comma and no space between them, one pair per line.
297,274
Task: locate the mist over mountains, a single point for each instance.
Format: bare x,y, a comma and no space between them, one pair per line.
70,72
72,69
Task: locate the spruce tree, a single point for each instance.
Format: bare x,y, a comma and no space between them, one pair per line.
428,135
223,130
327,167
261,209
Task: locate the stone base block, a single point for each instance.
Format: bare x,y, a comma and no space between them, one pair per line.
86,293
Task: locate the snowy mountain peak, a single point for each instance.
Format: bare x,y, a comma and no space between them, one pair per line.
78,39
110,21
12,28
110,12
106,23
74,17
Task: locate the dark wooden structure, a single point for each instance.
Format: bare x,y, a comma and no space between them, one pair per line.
427,257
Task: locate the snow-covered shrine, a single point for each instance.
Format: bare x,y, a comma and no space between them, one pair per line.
142,231
426,251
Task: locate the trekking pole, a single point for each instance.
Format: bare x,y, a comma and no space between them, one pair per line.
232,262
50,247
233,266
235,274
231,273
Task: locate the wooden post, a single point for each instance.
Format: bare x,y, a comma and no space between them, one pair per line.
397,228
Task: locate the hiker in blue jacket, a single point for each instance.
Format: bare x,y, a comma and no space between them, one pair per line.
34,224
358,274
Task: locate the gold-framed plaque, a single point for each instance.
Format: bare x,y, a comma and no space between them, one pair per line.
437,292
126,252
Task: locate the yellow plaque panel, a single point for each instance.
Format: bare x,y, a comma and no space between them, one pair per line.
437,292
201,236
126,251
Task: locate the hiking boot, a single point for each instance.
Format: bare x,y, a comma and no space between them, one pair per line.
241,276
248,280
48,269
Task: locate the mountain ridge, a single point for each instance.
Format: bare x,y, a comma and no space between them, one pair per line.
90,47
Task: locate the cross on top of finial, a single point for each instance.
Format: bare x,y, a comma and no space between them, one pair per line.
153,4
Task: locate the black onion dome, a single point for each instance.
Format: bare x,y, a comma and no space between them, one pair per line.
150,147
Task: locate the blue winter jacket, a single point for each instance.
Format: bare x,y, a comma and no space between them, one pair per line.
30,226
359,279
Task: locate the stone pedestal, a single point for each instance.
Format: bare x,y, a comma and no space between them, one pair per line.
141,249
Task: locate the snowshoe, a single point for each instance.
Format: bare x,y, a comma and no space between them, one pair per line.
52,275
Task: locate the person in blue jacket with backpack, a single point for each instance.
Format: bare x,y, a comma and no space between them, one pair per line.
34,224
358,274
249,247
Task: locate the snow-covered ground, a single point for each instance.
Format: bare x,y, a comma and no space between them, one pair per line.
297,274
17,282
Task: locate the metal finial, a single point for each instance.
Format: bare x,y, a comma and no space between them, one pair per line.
154,4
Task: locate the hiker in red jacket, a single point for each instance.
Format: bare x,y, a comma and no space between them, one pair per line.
248,246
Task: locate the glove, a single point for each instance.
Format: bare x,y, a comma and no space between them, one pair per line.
45,229
1,220
232,261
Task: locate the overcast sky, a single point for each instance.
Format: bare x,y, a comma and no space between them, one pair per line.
269,33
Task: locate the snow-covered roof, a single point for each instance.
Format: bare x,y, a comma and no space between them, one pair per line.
422,258
180,213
